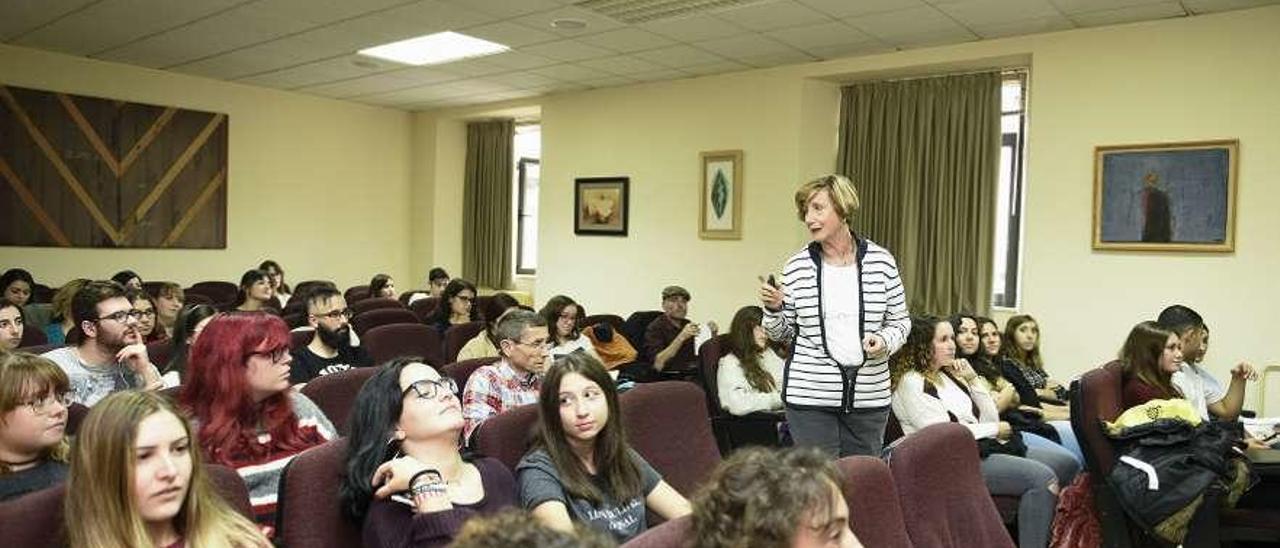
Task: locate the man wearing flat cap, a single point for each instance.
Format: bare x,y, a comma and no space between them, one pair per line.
669,337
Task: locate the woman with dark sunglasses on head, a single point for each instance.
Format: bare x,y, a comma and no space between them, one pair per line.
407,481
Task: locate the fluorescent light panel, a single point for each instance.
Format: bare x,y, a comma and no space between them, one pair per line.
434,49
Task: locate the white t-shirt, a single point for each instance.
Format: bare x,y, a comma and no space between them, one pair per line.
1198,387
581,343
841,313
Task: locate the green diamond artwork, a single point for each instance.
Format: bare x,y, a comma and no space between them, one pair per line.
719,194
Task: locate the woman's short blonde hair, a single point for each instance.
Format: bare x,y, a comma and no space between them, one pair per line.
843,196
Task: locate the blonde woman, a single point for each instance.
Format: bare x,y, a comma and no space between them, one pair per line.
33,422
137,480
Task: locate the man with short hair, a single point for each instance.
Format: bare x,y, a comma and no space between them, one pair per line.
514,380
1196,383
330,349
669,338
111,355
11,326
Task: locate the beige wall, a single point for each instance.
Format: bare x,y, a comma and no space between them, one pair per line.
1205,77
319,185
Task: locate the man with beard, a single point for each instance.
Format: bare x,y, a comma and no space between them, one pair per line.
110,355
331,349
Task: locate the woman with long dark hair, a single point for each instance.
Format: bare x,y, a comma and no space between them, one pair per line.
255,292
407,482
749,378
145,305
382,286
1022,347
186,330
563,315
456,306
275,275
582,469
485,343
1151,355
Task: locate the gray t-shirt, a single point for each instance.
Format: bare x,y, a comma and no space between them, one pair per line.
90,383
540,482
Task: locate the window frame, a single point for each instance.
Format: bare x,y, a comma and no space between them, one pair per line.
1011,297
521,180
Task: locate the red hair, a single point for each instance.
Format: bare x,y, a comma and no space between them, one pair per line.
216,391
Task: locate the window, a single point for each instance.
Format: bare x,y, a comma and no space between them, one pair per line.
1008,223
528,175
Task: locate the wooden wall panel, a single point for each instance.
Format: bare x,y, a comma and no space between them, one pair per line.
80,171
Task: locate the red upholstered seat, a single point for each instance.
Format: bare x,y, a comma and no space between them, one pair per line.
160,352
75,415
671,534
362,323
33,337
335,394
507,435
458,336
461,371
612,319
874,514
228,483
944,499
667,424
220,292
732,431
386,342
301,338
424,307
40,348
309,514
365,305
355,294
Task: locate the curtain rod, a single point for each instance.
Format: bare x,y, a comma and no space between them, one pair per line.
1005,72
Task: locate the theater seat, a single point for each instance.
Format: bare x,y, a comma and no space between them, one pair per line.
461,371
612,319
228,483
301,338
424,307
458,336
732,431
75,415
309,514
365,305
874,514
362,323
40,348
666,422
355,294
33,337
674,533
160,352
220,292
335,394
386,342
507,435
633,329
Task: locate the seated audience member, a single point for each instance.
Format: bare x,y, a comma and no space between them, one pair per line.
110,355
1022,347
17,285
515,379
136,481
777,498
330,349
127,278
62,323
187,329
930,387
406,481
437,281
169,299
1151,355
581,469
145,305
614,349
485,343
382,286
275,277
456,307
255,292
519,529
1195,382
749,378
237,389
12,327
562,315
668,339
33,422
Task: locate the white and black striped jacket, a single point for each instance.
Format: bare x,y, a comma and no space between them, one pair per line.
812,378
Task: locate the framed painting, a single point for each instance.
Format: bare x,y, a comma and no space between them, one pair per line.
720,216
600,206
1165,197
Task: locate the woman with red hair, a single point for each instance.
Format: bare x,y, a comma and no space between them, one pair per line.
247,416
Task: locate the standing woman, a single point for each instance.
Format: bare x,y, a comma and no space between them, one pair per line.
843,308
137,480
457,306
255,292
275,275
1022,347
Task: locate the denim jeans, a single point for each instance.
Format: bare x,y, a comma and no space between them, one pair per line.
1030,481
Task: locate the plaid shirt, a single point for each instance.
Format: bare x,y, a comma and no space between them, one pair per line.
493,389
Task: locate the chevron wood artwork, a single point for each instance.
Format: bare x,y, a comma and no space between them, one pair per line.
80,171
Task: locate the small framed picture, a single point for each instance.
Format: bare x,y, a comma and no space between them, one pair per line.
721,215
600,206
1165,196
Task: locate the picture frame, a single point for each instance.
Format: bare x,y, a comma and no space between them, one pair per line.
601,206
720,212
1165,196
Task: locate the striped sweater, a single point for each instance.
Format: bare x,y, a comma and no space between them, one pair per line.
813,379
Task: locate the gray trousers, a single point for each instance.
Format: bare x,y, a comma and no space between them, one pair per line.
839,434
1029,481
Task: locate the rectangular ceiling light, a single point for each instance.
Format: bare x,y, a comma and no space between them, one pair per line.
641,11
434,49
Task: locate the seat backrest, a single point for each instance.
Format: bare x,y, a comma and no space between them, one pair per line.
335,394
41,294
39,348
709,355
299,339
34,520
75,415
228,483
404,295
1098,397
677,532
461,371
160,352
31,336
424,307
507,435
633,330
365,305
355,294
482,304
192,299
404,339
381,316
667,424
457,337
220,292
944,499
309,514
874,514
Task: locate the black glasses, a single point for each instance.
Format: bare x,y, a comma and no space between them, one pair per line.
122,316
336,314
427,389
276,356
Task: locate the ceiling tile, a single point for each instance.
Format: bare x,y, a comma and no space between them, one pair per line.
22,16
104,25
610,81
745,46
571,72
627,40
853,8
776,59
378,83
679,56
694,28
520,80
340,68
507,8
660,75
475,67
716,68
568,50
319,11
509,34
1210,6
1026,26
821,35
408,21
516,60
622,64
772,15
932,38
253,60
910,25
975,13
1079,6
850,50
595,22
205,38
1129,14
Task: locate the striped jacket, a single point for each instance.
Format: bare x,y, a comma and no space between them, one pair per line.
812,378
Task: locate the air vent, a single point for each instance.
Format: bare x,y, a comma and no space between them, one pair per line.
640,11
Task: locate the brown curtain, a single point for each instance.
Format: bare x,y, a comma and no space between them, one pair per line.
924,156
486,214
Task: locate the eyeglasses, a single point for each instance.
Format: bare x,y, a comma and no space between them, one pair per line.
542,344
276,356
336,314
41,407
428,389
122,316
144,314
